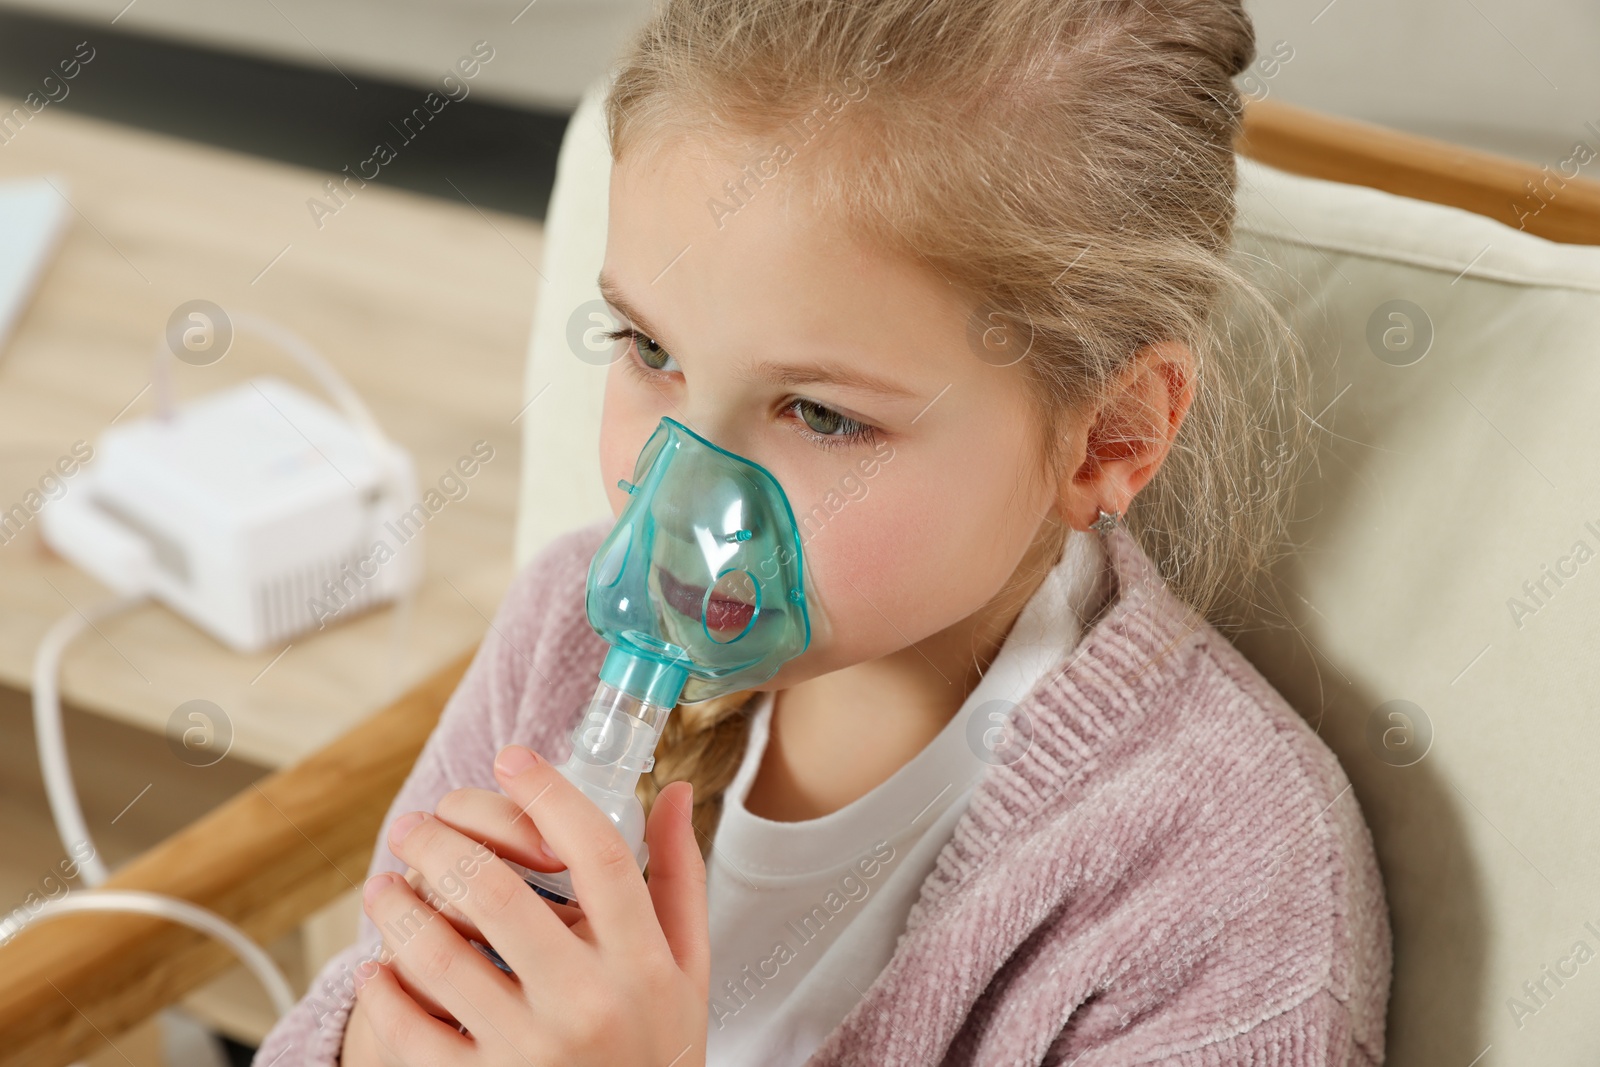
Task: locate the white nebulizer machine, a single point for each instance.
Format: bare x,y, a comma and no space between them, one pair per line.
256,511
699,589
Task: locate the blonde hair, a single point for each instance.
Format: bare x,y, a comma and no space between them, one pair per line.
1068,165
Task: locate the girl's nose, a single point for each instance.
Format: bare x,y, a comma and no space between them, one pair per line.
727,426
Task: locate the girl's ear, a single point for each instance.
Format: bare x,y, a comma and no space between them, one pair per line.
1127,437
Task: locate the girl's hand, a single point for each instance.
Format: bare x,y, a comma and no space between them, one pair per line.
501,825
625,983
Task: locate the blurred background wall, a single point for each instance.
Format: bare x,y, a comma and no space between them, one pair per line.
1520,78
308,80
550,48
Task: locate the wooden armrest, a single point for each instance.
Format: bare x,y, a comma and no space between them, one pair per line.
266,860
1540,200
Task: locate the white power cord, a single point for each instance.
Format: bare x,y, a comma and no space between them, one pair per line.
74,830
250,954
50,735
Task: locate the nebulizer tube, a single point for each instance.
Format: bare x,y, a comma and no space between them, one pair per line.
699,589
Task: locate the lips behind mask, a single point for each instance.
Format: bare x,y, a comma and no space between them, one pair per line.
701,581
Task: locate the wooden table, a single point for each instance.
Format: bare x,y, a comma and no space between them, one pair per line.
423,305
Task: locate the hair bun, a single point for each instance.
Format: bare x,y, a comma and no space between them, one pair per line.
1236,41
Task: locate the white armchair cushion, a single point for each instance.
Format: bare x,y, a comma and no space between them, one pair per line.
1445,486
561,485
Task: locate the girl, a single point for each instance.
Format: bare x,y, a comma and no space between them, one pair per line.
957,273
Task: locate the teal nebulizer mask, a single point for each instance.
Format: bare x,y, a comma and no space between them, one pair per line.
699,589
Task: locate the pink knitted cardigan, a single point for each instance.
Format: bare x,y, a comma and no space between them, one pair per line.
1174,871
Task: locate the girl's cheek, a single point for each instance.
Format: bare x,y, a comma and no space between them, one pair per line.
914,555
869,574
626,422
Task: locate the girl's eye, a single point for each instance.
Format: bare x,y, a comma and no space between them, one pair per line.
822,424
650,353
827,426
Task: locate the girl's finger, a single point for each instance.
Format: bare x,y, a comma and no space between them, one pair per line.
408,1034
514,919
413,989
437,960
421,998
605,874
499,822
441,904
457,918
408,982
678,880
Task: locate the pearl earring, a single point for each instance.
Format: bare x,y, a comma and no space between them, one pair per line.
1107,521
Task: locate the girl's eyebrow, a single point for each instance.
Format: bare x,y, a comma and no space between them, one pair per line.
828,374
614,297
769,370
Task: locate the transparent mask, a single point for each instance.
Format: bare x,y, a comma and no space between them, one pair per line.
702,573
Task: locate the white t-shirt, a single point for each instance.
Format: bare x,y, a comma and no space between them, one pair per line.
803,915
